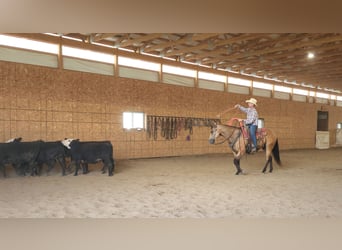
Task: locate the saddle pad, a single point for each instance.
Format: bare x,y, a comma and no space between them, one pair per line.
260,133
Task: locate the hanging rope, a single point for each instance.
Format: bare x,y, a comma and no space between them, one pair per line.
170,126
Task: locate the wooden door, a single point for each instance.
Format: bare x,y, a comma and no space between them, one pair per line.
322,120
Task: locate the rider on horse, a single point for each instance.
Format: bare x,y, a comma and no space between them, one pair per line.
251,122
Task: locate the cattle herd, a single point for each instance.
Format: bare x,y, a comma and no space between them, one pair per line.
28,158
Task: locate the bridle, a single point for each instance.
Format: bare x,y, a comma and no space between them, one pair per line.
230,143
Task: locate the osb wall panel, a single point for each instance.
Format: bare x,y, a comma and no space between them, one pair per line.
51,104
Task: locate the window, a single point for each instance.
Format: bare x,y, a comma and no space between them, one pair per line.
178,71
28,44
262,85
239,81
339,125
212,77
300,92
137,63
282,89
312,93
87,54
322,95
133,120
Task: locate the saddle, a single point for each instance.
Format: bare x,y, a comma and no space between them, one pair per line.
260,133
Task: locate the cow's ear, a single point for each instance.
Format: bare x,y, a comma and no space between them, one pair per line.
77,140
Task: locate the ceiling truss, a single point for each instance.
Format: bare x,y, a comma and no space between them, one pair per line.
281,56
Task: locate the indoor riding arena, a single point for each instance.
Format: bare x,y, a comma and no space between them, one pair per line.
144,106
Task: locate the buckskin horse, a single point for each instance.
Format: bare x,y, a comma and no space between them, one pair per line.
236,135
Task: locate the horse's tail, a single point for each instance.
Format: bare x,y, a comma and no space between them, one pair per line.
275,152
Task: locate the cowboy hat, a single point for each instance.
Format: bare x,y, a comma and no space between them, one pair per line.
253,101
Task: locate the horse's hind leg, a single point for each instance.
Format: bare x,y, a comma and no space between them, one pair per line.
269,161
237,165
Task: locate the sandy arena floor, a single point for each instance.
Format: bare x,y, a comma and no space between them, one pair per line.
309,184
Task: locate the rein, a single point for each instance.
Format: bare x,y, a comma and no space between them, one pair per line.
227,138
231,144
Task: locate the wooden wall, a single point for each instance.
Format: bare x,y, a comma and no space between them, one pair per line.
51,104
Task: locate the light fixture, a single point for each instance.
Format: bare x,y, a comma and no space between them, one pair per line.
311,55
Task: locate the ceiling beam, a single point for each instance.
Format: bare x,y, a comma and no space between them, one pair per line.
186,39
205,44
271,51
319,42
136,41
101,36
220,53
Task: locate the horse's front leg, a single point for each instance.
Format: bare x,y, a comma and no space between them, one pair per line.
269,161
237,165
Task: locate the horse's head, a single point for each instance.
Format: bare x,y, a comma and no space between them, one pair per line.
213,133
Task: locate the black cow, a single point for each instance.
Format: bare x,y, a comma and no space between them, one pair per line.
50,153
22,156
91,152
